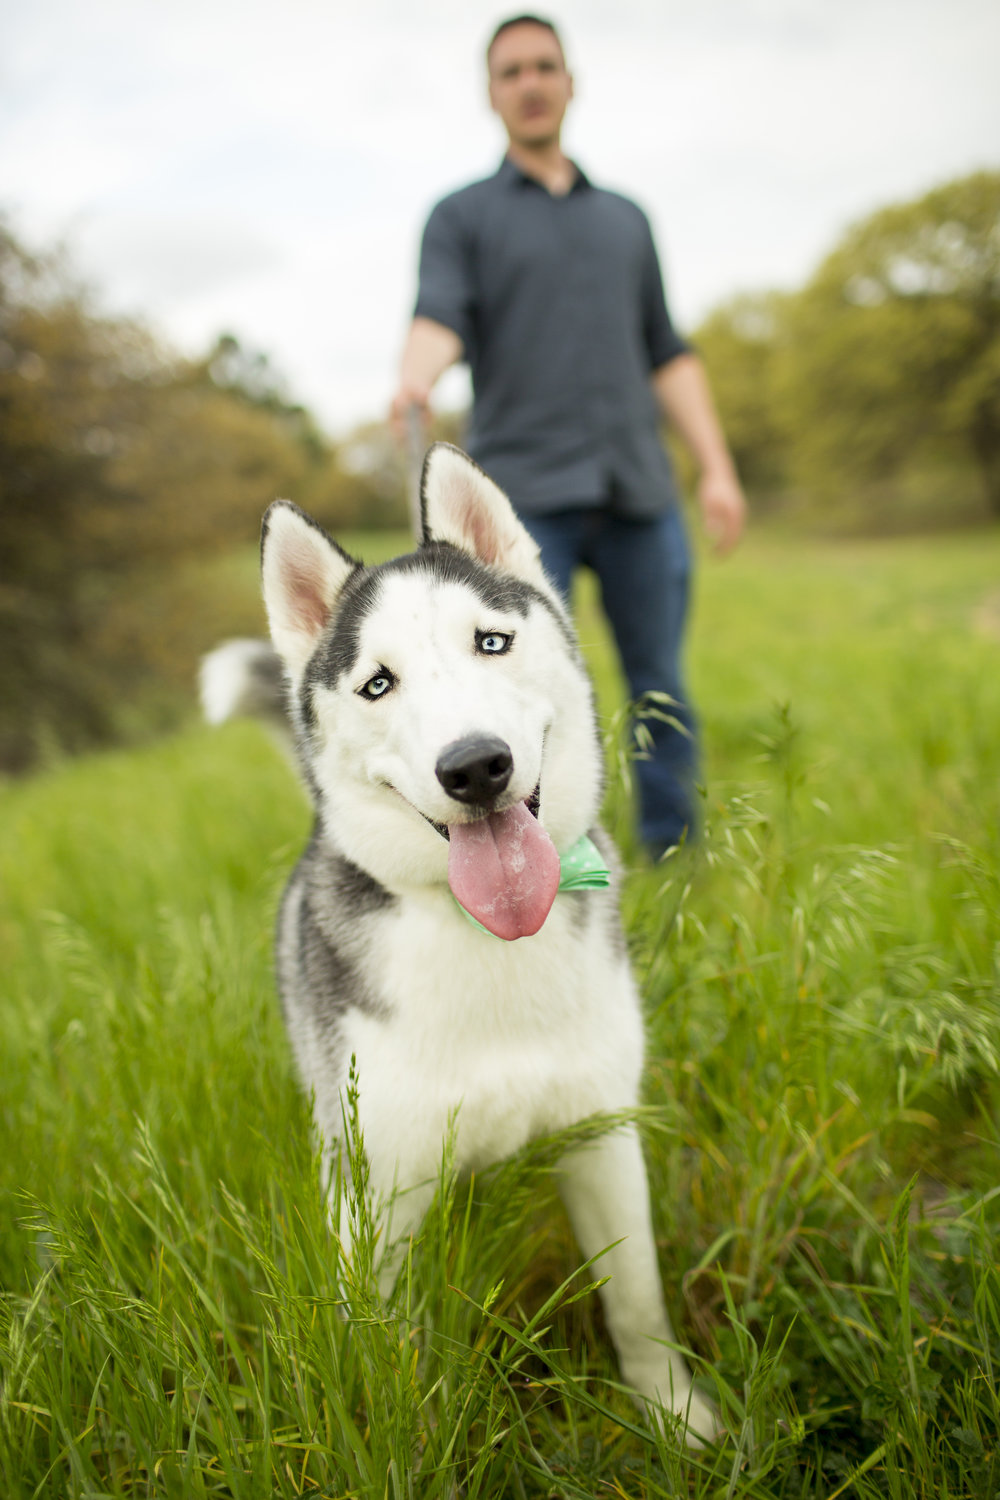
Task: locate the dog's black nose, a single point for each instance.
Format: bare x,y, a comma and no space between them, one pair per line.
475,769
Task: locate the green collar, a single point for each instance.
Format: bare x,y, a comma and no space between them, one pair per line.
581,868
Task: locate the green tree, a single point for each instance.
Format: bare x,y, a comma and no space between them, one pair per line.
894,345
741,343
248,376
121,468
59,371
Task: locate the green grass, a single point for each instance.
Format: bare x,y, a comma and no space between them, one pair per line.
821,977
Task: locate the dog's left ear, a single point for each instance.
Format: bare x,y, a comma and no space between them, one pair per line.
461,505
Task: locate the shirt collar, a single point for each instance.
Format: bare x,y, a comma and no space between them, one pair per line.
511,173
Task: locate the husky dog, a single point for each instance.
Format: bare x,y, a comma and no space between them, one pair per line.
445,727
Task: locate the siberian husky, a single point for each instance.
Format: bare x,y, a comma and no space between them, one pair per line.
446,730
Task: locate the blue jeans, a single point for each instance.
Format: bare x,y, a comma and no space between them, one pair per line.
644,569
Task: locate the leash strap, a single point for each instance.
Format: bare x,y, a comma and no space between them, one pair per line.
415,446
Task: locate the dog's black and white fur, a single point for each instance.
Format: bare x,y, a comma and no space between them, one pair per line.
446,730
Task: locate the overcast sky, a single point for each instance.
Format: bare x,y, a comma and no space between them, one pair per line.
265,168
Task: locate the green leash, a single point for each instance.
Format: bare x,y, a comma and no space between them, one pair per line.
581,868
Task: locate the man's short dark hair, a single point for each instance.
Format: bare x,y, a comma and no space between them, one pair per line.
523,21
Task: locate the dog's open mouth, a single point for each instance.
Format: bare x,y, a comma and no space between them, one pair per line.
532,803
504,869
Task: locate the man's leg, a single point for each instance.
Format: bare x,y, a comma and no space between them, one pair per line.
644,571
560,539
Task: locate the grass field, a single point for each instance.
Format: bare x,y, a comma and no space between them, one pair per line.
822,979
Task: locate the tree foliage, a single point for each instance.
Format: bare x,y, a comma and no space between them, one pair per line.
886,363
118,463
743,341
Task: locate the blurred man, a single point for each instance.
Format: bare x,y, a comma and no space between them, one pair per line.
550,288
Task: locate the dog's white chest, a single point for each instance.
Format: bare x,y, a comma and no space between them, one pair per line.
509,1040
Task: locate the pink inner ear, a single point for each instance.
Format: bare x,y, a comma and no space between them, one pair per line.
305,597
478,527
483,536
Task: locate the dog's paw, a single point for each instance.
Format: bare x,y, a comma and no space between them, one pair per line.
699,1421
670,1392
703,1423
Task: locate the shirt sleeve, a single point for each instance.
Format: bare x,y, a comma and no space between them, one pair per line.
445,290
663,341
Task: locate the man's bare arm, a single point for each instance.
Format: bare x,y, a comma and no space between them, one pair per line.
430,349
685,397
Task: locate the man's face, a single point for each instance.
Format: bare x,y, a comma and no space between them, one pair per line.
529,85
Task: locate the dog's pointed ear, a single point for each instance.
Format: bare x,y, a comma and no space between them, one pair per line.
303,572
461,505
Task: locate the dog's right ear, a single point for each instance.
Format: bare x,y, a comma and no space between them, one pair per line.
303,572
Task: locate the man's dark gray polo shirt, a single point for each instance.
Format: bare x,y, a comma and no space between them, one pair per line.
559,304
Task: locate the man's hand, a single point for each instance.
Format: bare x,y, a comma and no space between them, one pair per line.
685,398
723,508
407,401
430,349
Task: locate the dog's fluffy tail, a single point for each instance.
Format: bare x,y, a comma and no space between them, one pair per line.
244,679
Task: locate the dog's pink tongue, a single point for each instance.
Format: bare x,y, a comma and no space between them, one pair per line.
505,871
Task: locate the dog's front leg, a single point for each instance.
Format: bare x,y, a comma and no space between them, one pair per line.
388,1221
606,1193
400,1221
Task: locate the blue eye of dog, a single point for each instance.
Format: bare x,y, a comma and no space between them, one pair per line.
377,686
493,642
